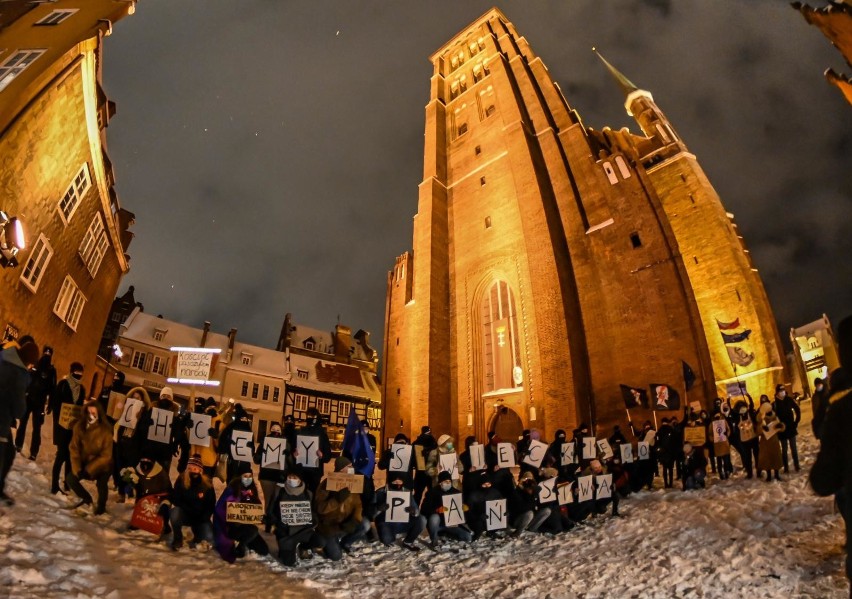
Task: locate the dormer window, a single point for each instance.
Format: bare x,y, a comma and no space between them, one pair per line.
160,334
245,358
302,374
310,344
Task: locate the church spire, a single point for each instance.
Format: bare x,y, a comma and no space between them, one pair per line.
627,86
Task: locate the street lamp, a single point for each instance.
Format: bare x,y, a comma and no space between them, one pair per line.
11,240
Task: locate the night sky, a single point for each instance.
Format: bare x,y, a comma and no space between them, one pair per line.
272,149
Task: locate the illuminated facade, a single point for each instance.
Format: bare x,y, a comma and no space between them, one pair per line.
552,263
57,177
835,22
814,352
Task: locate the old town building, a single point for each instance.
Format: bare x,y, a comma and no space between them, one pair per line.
57,178
553,263
835,22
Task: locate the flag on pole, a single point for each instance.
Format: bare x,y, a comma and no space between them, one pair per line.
688,376
727,326
736,337
738,356
634,397
665,397
356,446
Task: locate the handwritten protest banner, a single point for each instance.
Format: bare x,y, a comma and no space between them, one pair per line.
307,447
296,513
496,517
244,513
69,414
695,435
344,480
195,365
397,503
400,458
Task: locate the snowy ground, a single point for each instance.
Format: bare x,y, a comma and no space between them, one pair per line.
738,538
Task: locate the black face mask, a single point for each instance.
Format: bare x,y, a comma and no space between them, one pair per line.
313,421
211,411
195,477
77,375
275,434
146,467
164,403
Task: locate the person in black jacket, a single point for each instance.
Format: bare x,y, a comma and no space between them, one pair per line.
388,531
819,403
294,526
388,461
693,467
525,513
269,477
433,510
15,362
423,445
193,502
68,391
478,490
667,451
42,384
788,412
160,452
313,428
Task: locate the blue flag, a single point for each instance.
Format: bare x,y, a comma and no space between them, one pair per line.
688,376
356,446
736,337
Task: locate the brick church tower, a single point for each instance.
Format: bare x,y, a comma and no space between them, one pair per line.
553,263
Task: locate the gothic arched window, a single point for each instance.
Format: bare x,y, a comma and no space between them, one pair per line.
500,344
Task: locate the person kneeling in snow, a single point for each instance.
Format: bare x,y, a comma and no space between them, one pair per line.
241,490
193,502
295,525
525,513
389,530
693,467
149,478
91,455
433,510
341,520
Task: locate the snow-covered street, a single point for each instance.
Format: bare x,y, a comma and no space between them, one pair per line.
738,538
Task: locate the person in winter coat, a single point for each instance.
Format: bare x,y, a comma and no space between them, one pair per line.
68,391
388,461
788,412
433,460
719,432
227,441
646,470
341,520
525,513
161,452
314,428
556,448
208,453
193,502
667,450
819,403
744,435
433,511
422,447
270,477
234,539
150,478
388,531
15,361
465,460
90,453
769,457
126,447
42,384
293,529
693,467
478,490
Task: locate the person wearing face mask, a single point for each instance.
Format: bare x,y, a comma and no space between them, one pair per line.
341,519
150,478
478,490
290,533
388,456
788,413
420,449
193,502
158,451
68,391
126,447
209,454
388,531
433,460
770,429
744,436
90,452
15,362
314,428
42,384
819,403
234,539
433,510
269,477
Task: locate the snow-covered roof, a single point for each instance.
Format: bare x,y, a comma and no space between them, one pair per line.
141,326
331,377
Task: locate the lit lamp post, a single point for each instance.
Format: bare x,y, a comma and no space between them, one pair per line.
11,240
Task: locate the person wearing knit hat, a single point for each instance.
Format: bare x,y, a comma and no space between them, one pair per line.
340,515
421,447
433,511
291,497
14,378
193,502
788,413
433,459
166,392
401,465
68,391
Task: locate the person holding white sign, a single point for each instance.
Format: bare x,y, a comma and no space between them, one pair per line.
293,517
769,456
69,391
236,445
434,512
271,454
126,447
193,503
234,539
155,430
479,489
313,449
399,459
603,489
341,518
439,458
398,513
206,424
721,432
525,513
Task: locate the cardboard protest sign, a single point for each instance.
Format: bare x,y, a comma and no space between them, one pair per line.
769,431
585,488
274,453
400,458
69,414
496,516
505,455
307,447
344,480
695,405
194,365
130,413
720,431
626,453
419,458
146,514
199,431
449,462
694,435
296,513
589,448
453,509
160,430
567,457
115,405
397,503
643,450
536,453
603,482
564,493
746,430
604,449
241,442
547,490
244,513
477,457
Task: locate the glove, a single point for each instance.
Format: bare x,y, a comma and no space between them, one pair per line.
409,510
343,494
440,510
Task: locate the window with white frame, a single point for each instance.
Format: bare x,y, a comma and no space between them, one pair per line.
74,194
94,245
309,344
324,405
343,408
160,334
302,374
266,393
34,268
69,303
56,17
244,390
138,360
276,394
159,365
16,64
245,359
300,402
116,317
255,388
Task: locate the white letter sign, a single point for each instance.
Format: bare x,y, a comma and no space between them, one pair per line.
240,445
589,448
453,510
505,455
585,487
130,413
643,449
567,452
605,449
547,490
564,493
604,484
161,425
449,462
400,458
307,447
496,517
626,453
397,502
536,454
199,432
274,455
477,457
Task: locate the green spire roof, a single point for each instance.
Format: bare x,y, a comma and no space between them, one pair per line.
623,82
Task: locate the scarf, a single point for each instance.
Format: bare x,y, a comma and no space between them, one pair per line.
75,387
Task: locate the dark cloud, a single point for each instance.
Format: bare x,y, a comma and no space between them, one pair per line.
272,150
